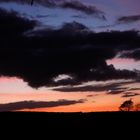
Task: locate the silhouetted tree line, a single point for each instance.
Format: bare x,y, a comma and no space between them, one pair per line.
128,105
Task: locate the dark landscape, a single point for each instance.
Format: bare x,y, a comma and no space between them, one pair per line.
94,119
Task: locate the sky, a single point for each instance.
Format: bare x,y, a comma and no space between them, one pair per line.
69,55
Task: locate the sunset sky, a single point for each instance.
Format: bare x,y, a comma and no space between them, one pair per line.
69,55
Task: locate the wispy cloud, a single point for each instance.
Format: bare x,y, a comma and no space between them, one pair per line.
110,88
129,94
66,4
87,9
92,95
35,104
128,19
135,54
121,21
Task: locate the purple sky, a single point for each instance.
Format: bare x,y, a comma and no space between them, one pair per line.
56,16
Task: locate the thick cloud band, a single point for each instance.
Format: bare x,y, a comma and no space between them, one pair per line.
40,56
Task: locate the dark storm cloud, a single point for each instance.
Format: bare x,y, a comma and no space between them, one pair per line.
41,55
128,19
36,104
12,24
66,4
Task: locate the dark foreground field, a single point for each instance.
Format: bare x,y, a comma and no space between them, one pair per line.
87,126
96,119
58,125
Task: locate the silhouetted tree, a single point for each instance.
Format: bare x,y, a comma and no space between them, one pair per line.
126,105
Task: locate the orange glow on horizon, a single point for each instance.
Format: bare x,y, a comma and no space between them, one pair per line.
72,108
101,102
